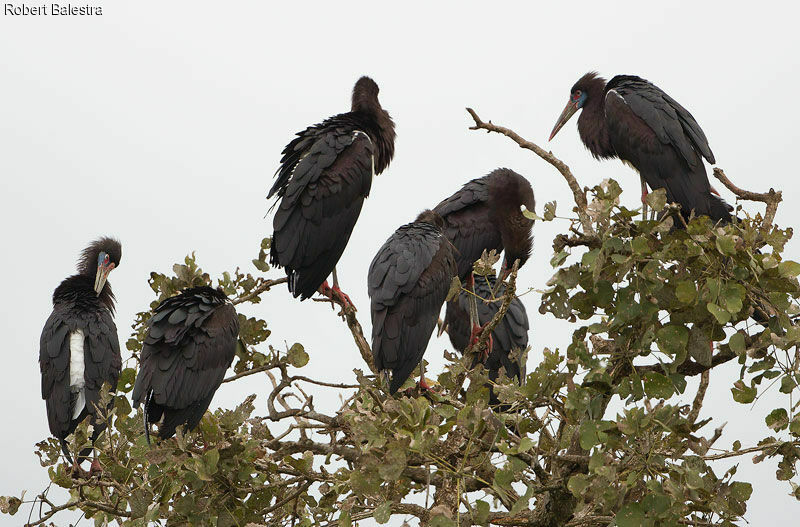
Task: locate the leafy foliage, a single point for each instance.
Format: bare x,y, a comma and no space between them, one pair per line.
652,306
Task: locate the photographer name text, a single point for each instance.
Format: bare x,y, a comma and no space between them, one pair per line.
51,10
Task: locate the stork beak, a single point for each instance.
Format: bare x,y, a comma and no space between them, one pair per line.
101,276
569,110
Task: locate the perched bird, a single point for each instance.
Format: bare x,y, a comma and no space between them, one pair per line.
510,336
487,214
632,119
79,347
325,174
408,282
189,345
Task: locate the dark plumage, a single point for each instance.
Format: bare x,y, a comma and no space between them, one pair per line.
189,346
408,283
79,347
510,335
637,122
324,177
485,214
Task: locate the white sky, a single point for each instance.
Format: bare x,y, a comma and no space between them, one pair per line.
162,123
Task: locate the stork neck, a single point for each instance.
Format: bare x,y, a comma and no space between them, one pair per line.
592,127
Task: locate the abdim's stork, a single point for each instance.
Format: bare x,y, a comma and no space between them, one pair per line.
190,344
324,177
79,347
510,336
634,120
408,282
485,214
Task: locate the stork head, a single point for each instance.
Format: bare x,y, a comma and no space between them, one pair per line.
578,96
99,259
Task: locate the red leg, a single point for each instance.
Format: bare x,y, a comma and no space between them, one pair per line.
96,468
475,335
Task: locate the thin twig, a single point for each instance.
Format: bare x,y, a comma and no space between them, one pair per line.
577,192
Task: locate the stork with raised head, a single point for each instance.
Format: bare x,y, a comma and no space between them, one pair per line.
634,120
408,282
79,347
190,343
325,175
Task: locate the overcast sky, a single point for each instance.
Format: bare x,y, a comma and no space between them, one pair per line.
161,123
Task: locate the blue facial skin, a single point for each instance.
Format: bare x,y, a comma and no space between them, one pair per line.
101,258
581,99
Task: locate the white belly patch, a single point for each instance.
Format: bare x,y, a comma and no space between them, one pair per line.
77,383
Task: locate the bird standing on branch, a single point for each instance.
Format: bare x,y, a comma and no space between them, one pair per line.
79,347
408,282
632,119
189,346
325,174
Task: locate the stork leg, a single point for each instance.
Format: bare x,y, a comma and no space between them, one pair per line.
475,336
424,386
644,197
473,303
335,294
96,469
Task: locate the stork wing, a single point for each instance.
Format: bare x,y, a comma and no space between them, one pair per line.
190,344
467,224
320,206
408,282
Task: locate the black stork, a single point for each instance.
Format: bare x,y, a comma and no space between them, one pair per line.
190,343
408,282
634,120
325,174
510,336
487,214
79,347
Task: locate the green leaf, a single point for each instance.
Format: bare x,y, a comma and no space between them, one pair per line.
383,512
455,289
787,384
657,386
549,211
726,245
297,355
694,480
261,265
699,346
722,316
588,435
345,519
672,339
794,426
737,445
686,292
482,510
732,296
742,393
631,515
577,484
9,504
789,269
657,199
736,343
559,258
777,419
741,490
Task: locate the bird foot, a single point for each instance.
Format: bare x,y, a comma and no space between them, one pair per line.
78,473
96,469
336,296
475,336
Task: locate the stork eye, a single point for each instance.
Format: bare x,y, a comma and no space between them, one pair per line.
576,94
